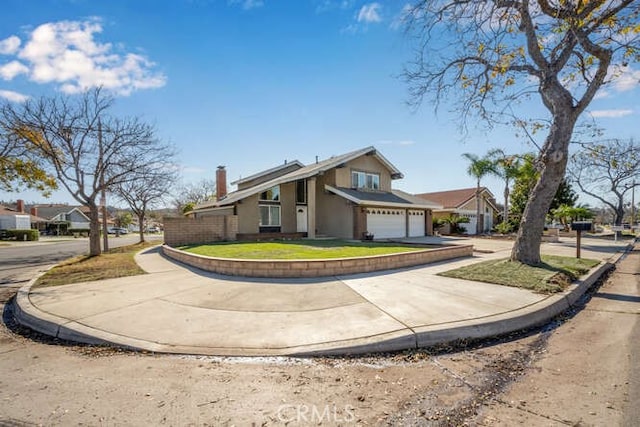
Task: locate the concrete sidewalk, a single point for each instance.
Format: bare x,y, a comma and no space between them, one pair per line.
177,309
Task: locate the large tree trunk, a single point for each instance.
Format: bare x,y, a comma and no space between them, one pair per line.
553,159
619,213
94,230
479,226
141,227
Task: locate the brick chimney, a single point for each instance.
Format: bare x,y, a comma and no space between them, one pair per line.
221,182
34,211
20,205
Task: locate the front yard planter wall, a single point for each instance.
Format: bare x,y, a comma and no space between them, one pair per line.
316,268
193,231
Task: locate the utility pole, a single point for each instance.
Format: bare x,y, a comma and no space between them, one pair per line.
103,198
633,204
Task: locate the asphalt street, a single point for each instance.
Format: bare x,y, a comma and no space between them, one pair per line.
19,261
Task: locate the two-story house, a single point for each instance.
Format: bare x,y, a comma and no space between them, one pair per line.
347,196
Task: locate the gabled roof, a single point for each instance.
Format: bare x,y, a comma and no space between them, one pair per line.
396,198
454,199
267,172
417,200
302,173
8,211
49,212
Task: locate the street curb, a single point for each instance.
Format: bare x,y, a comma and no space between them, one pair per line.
25,313
526,317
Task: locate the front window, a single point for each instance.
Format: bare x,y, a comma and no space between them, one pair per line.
365,180
271,195
269,216
301,191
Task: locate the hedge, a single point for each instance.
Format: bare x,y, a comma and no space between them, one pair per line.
20,234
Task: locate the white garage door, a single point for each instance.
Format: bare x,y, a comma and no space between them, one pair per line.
386,223
416,223
470,227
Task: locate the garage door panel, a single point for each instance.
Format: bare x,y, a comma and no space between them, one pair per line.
386,223
469,227
416,224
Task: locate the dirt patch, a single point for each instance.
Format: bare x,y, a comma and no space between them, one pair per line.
561,280
52,382
72,384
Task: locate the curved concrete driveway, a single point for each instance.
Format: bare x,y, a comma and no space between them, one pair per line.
181,310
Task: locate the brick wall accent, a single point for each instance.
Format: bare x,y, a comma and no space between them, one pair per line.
317,268
192,231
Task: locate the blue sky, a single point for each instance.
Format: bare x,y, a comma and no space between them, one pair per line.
250,83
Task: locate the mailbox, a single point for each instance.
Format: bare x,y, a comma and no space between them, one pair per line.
581,225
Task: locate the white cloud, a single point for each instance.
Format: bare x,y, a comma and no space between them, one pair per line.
326,5
369,13
602,94
401,18
10,45
248,4
629,79
67,53
13,96
610,113
10,70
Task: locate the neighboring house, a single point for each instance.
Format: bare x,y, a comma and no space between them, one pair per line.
463,203
346,196
14,220
61,219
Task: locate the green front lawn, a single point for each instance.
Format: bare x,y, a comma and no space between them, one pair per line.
299,249
553,275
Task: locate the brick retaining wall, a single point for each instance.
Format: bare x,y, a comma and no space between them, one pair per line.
193,231
316,268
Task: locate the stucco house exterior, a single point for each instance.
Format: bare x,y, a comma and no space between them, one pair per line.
14,220
60,219
348,196
462,202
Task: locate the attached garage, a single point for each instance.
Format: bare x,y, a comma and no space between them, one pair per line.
416,223
386,223
470,227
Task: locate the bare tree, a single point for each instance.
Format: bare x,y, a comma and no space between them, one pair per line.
194,193
494,53
607,171
87,150
151,186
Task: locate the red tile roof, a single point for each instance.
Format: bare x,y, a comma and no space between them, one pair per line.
453,199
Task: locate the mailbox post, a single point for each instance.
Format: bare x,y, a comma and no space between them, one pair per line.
579,227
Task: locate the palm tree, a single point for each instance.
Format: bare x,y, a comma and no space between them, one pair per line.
478,168
506,167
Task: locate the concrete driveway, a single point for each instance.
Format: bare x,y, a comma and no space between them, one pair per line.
177,309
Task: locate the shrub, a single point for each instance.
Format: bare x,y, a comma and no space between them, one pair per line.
504,227
454,222
19,235
78,231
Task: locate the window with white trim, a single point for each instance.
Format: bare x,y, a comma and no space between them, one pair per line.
269,215
271,195
301,191
365,180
